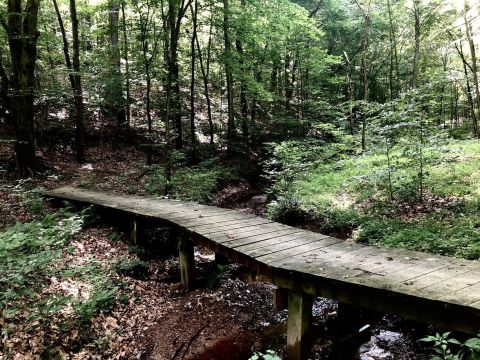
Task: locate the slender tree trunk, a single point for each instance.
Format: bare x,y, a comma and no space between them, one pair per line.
206,81
66,53
148,98
127,64
194,11
74,77
243,83
468,30
287,82
78,94
115,99
366,45
416,55
468,90
175,14
348,76
231,131
393,54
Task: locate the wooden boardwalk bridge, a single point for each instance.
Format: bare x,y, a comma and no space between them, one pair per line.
414,285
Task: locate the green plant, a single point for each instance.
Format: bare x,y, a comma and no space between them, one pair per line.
448,348
34,200
195,183
269,355
137,269
101,301
29,253
214,276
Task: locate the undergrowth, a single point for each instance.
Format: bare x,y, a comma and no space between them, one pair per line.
352,195
41,287
197,183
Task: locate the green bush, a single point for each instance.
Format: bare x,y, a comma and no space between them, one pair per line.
101,301
28,253
137,269
197,183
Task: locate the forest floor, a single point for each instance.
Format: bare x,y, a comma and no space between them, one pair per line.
144,316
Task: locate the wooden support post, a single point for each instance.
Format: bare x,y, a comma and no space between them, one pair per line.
134,232
187,262
280,299
299,323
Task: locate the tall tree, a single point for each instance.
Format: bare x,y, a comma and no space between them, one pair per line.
127,64
114,96
22,31
194,12
149,41
78,92
79,123
176,12
205,69
231,130
473,54
366,45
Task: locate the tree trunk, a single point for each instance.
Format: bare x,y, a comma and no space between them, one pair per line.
348,76
22,39
243,83
468,90
204,70
194,11
115,101
66,53
393,81
231,131
127,64
416,55
366,45
175,15
6,107
78,94
473,54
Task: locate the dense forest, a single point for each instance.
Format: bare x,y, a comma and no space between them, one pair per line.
359,119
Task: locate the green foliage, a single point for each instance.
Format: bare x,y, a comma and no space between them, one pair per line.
101,301
32,259
269,355
137,269
195,183
346,195
448,348
214,276
28,254
34,200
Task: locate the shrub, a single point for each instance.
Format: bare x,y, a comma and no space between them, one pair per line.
137,269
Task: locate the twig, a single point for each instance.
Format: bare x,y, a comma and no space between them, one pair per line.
178,351
192,339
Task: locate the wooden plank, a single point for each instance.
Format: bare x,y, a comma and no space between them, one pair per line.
210,228
308,252
229,235
252,239
300,235
215,219
290,246
448,287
